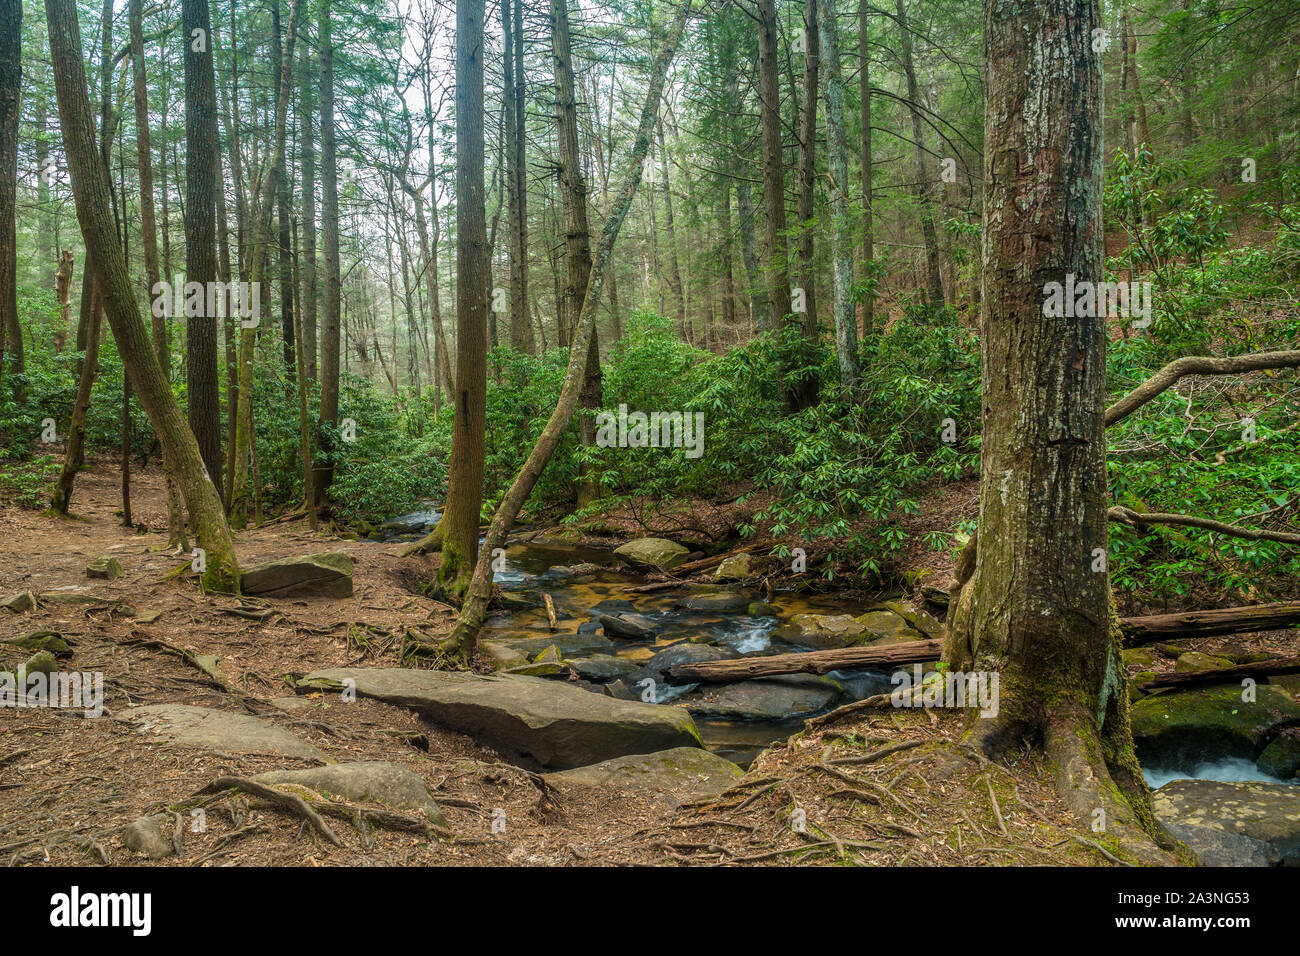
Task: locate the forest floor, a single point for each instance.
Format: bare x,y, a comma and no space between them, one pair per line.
891,787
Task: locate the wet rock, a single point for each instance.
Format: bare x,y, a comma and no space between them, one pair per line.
685,652
887,627
146,837
770,698
570,645
823,631
684,771
631,627
1196,725
714,599
558,725
762,609
603,667
368,781
503,655
218,730
104,568
1281,758
19,601
652,554
734,568
1233,824
613,606
327,574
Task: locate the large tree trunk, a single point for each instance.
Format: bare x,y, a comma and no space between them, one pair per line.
837,168
11,80
91,190
864,95
1035,602
512,29
329,345
203,384
924,177
573,189
460,520
149,242
807,212
283,212
307,250
769,94
464,635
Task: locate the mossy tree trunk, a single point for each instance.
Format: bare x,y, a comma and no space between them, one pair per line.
91,190
1035,602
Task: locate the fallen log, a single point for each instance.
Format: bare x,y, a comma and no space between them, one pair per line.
703,564
810,662
1224,675
1152,628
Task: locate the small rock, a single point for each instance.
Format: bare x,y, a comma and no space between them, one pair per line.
104,568
145,836
762,609
41,641
1194,661
19,601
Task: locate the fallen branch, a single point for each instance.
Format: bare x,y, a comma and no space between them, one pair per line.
1137,520
1224,675
810,662
1153,628
1196,365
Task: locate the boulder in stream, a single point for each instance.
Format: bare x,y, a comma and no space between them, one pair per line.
652,554
769,698
631,627
734,568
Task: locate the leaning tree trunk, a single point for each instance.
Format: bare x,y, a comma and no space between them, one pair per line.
464,635
90,187
74,445
1035,602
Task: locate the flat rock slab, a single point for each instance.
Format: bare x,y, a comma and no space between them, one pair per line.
327,574
770,698
1233,824
688,771
558,725
219,730
368,781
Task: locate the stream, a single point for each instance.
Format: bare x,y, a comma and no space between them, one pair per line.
584,584
702,622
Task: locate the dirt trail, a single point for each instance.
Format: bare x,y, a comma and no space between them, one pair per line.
68,784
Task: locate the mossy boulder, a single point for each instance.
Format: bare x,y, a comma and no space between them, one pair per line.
652,554
1142,657
50,641
1194,661
1233,824
105,567
710,598
18,602
887,627
1281,758
823,631
734,568
1203,724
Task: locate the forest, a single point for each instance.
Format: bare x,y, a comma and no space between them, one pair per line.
653,432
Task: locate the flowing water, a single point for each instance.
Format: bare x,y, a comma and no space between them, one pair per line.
583,585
